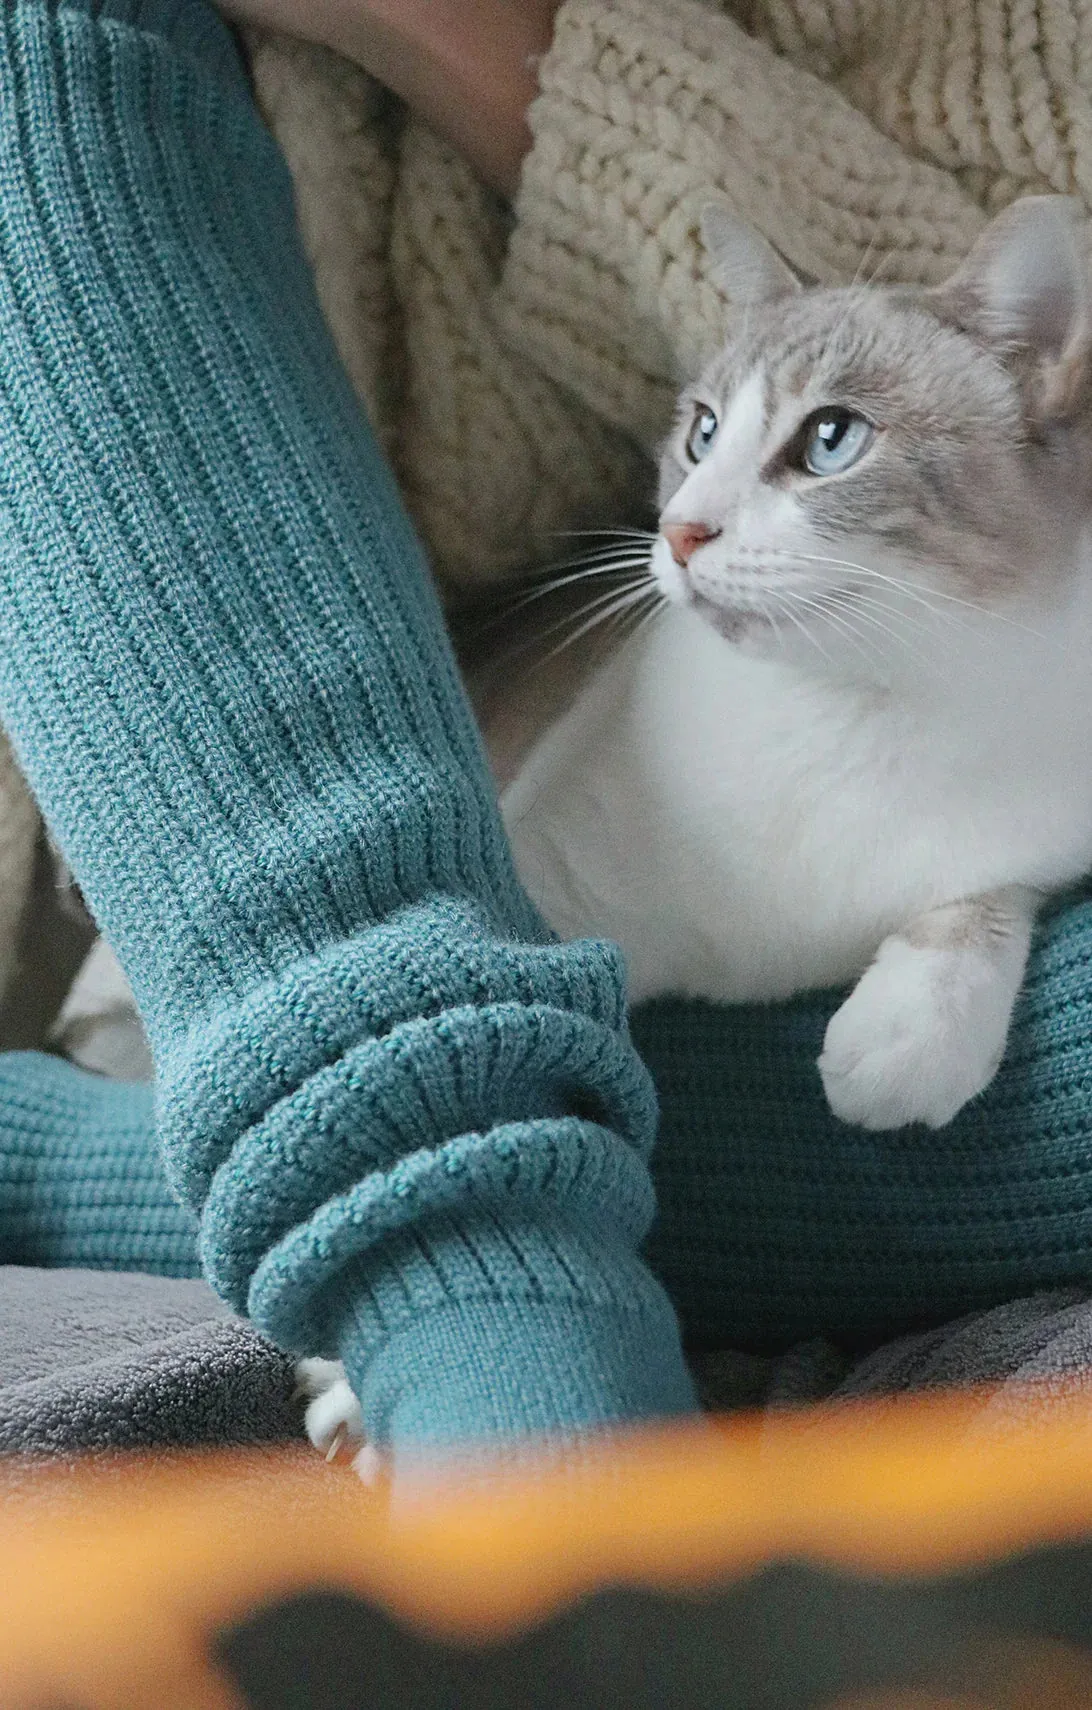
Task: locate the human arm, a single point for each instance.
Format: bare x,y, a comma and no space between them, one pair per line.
469,67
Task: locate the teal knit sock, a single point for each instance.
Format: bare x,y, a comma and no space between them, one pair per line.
81,1178
414,1130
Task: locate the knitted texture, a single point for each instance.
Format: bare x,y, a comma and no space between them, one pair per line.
516,371
493,457
81,1174
874,137
646,109
397,1106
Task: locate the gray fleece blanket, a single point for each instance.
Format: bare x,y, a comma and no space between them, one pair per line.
94,1360
90,1360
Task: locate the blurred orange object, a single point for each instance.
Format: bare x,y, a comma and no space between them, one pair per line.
886,1557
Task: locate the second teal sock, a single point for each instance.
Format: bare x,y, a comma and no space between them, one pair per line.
81,1175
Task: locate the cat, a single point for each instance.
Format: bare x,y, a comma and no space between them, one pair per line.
854,744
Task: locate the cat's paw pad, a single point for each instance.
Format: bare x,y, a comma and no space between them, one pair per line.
332,1418
915,1040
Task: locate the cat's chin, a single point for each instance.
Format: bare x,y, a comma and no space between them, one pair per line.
730,623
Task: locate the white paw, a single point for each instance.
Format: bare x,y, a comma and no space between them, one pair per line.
332,1419
922,1032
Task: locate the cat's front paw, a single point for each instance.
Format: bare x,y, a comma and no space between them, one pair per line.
922,1032
332,1417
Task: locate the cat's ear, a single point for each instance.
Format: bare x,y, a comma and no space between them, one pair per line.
1024,290
746,267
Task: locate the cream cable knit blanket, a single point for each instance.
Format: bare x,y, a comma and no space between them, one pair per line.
519,367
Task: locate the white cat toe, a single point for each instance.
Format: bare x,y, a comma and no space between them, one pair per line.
368,1465
898,1051
884,1087
332,1419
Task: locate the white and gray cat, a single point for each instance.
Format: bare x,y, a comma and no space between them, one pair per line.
856,742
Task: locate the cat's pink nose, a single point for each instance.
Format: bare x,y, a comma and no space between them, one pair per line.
685,538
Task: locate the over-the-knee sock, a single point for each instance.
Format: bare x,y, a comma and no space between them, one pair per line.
81,1177
413,1128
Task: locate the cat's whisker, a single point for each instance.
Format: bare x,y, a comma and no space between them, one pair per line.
600,561
863,264
796,559
631,588
613,528
840,626
618,567
857,289
852,297
605,534
928,596
787,604
954,599
917,590
612,611
852,599
938,614
924,594
849,608
634,562
771,613
807,600
639,619
619,552
840,608
885,261
634,584
594,554
855,597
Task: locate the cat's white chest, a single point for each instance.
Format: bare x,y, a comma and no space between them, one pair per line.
744,834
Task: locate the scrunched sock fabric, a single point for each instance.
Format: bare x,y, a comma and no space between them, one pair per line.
413,1128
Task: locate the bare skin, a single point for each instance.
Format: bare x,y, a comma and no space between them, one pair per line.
468,67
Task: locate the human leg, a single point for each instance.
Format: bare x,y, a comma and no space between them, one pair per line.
414,1130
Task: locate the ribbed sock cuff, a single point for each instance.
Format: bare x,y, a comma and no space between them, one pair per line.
488,1370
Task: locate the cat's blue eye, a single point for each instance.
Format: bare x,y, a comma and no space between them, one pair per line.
703,431
832,441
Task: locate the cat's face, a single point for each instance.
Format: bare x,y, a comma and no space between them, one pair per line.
860,469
